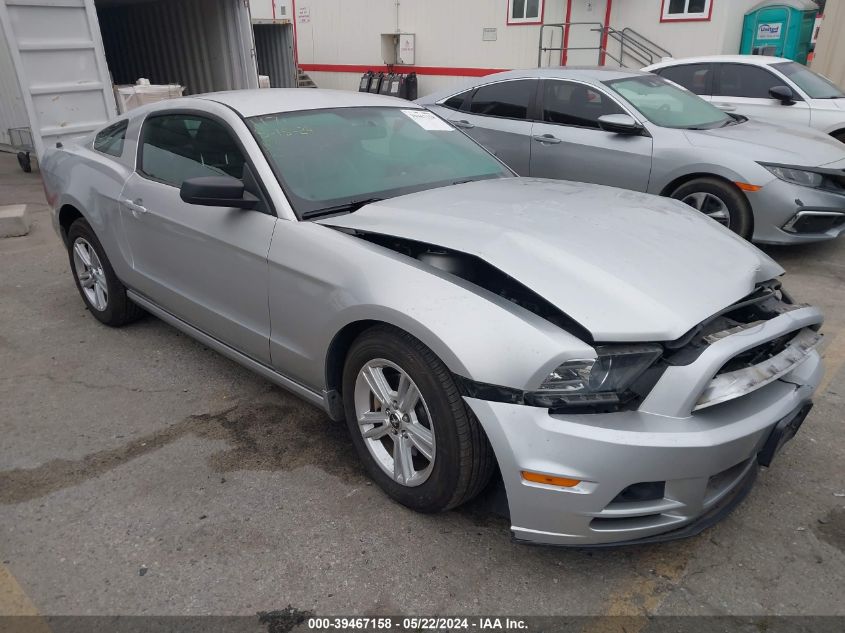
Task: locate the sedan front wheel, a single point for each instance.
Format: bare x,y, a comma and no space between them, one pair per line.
409,424
720,201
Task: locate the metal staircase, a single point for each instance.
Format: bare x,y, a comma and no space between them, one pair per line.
626,47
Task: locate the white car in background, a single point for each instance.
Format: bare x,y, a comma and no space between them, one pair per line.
773,88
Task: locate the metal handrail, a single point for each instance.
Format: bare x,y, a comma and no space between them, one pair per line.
654,47
631,43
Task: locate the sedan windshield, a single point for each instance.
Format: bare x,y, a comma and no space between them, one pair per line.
668,105
337,159
816,86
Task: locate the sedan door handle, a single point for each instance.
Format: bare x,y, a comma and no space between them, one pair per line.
134,207
461,123
727,107
547,138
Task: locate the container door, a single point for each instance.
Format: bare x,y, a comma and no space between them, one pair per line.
58,55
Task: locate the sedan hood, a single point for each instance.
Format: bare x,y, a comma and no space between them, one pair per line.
766,142
626,266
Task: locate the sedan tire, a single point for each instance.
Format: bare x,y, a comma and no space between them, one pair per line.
409,424
720,201
99,287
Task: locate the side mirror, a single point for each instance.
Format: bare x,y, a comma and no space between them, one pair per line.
217,191
620,124
783,94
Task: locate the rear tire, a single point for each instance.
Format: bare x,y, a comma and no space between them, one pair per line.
462,459
719,200
100,289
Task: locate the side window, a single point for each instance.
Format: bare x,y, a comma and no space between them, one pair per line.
110,140
571,103
508,99
742,80
697,78
176,147
458,102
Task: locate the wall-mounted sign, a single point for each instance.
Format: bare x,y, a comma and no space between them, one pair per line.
769,31
489,35
303,14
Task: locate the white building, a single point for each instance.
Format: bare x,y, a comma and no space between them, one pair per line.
338,40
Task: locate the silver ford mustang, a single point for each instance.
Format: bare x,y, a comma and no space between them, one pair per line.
769,183
622,360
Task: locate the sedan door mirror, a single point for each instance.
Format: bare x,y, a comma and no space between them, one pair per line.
783,94
217,191
620,124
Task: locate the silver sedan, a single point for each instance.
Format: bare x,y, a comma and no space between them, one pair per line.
624,362
772,184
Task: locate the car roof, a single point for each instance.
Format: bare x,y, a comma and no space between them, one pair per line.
250,103
594,74
755,60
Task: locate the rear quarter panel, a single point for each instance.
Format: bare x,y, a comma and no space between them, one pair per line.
91,182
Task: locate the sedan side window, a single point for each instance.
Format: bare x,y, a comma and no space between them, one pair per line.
507,99
458,102
576,104
176,147
110,140
697,78
743,80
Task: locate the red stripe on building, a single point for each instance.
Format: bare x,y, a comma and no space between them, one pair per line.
448,71
565,44
603,54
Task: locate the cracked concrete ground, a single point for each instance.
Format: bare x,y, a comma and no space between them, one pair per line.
139,449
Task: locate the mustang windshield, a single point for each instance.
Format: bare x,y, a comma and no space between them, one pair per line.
333,160
668,105
816,86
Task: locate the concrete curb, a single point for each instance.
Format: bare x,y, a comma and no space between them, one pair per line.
14,221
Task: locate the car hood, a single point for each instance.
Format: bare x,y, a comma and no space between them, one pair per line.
762,141
627,266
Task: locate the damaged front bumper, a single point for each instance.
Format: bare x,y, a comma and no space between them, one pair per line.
663,471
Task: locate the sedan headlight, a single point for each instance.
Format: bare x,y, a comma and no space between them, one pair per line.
595,381
796,176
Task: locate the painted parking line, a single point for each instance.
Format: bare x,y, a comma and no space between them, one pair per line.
14,603
628,608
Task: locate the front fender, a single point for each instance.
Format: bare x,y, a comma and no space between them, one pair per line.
670,167
322,280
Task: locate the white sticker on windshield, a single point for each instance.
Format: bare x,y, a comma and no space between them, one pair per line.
427,120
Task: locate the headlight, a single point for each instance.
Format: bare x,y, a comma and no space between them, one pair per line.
796,176
599,380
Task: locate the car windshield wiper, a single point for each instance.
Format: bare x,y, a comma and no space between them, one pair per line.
346,207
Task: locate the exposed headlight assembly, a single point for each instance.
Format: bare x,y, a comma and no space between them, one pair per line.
796,176
603,380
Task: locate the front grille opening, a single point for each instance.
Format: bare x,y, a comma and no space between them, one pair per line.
644,491
758,354
621,524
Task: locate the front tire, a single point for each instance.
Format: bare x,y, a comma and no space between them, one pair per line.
409,424
101,290
720,201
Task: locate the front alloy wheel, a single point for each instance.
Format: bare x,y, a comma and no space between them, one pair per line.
719,200
410,426
395,422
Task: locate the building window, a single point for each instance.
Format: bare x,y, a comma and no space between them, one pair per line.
525,11
686,10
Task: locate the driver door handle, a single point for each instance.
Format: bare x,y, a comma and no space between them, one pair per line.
547,138
727,107
461,123
134,207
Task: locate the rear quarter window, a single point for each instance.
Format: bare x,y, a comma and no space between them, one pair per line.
111,139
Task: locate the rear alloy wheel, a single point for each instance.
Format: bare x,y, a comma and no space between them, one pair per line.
99,287
720,201
409,424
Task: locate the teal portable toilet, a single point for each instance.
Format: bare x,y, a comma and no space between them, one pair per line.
781,28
